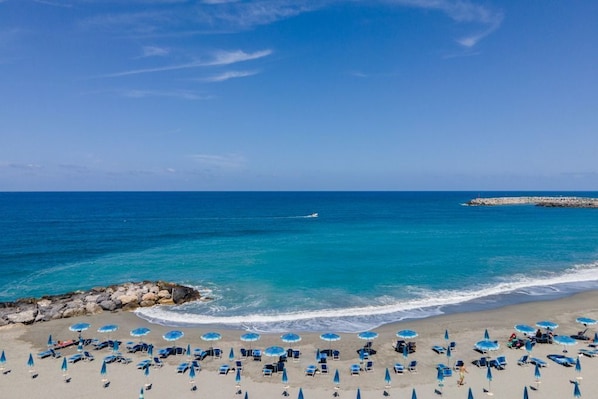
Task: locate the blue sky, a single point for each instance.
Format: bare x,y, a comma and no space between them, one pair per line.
298,95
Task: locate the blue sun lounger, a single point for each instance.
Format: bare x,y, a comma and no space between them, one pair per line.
224,369
183,367
355,369
311,370
75,358
399,368
539,362
588,352
438,349
562,360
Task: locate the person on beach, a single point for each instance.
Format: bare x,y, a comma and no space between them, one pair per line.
462,372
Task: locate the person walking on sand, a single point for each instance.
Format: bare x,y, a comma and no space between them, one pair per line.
462,371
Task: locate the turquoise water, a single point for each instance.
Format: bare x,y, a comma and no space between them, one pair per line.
370,258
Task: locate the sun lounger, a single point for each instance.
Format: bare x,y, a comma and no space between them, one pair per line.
412,366
562,360
311,370
296,355
355,369
158,362
453,346
48,353
75,358
224,369
399,368
539,362
124,360
65,344
581,335
144,364
588,352
88,356
110,358
481,362
257,355
324,368
183,367
369,366
439,349
523,360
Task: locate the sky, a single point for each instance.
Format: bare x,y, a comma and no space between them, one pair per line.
114,95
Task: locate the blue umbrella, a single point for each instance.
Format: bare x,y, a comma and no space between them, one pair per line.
173,335
550,325
407,334
448,355
231,355
578,367
30,362
150,350
2,359
564,340
525,329
78,327
387,377
300,396
413,394
141,394
525,394
446,335
358,394
250,337
586,321
528,346
285,378
595,340
140,332
367,335
537,374
576,391
290,337
192,374
440,377
486,334
188,350
50,341
330,337
103,370
337,379
405,351
64,366
115,346
211,336
246,395
108,328
486,345
80,345
238,377
146,372
274,351
489,376
470,394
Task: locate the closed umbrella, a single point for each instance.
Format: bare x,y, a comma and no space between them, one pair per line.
405,351
489,378
578,368
528,346
576,391
486,334
285,382
387,378
50,341
80,345
537,375
238,378
358,394
192,375
141,395
300,396
150,350
470,394
440,377
231,355
337,379
188,351
2,361
64,368
30,362
446,335
103,372
413,394
115,346
448,356
525,394
146,372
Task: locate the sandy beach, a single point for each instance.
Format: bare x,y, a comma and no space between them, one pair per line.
465,329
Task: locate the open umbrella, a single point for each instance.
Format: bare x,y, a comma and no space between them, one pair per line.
211,336
525,329
564,340
330,337
486,345
290,338
489,378
586,321
549,325
173,336
576,391
367,335
407,334
140,332
274,351
250,337
79,327
108,328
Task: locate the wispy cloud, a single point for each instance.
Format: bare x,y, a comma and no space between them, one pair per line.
182,94
229,75
153,51
226,161
53,3
219,59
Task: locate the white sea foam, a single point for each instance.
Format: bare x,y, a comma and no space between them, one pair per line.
427,303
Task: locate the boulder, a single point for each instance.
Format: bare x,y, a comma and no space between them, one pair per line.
183,294
108,305
93,308
147,303
73,312
25,316
164,294
126,299
150,296
44,303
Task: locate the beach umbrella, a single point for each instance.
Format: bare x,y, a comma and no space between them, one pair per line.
50,341
549,325
413,394
300,396
64,367
30,361
80,345
231,354
150,350
188,350
103,372
246,395
146,372
525,329
337,379
528,346
108,328
470,394
330,337
250,337
140,332
358,394
586,321
115,346
440,377
387,378
446,335
525,394
578,367
486,345
285,379
173,335
290,338
141,396
274,351
318,355
192,375
448,355
238,378
367,335
405,351
79,327
407,334
2,360
576,391
537,375
489,376
211,336
564,340
486,334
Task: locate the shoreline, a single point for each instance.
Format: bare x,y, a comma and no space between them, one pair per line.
464,328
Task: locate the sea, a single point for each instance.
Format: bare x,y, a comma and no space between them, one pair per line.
299,261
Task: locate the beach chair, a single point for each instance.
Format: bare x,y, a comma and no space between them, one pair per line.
502,361
296,355
239,365
124,360
101,345
75,358
88,356
224,369
453,346
45,354
369,366
447,372
144,364
355,369
588,352
481,362
183,367
311,370
336,355
438,349
399,368
412,367
581,335
158,363
458,364
324,368
562,360
257,355
217,353
267,371
199,354
539,362
523,360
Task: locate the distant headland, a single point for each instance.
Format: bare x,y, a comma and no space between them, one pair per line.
549,202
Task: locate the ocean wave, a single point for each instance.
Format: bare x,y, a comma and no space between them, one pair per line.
424,303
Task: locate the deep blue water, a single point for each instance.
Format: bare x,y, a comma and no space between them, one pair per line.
369,258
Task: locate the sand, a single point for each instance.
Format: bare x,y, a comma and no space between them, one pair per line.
465,329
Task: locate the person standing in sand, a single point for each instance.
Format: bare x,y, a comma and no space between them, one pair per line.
462,371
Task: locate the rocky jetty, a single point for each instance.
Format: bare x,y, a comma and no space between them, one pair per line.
552,202
127,296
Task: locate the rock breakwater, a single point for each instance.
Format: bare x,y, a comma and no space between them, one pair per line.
552,202
127,296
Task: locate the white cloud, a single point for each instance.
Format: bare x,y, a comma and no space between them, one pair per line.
220,58
227,161
182,94
153,51
229,75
